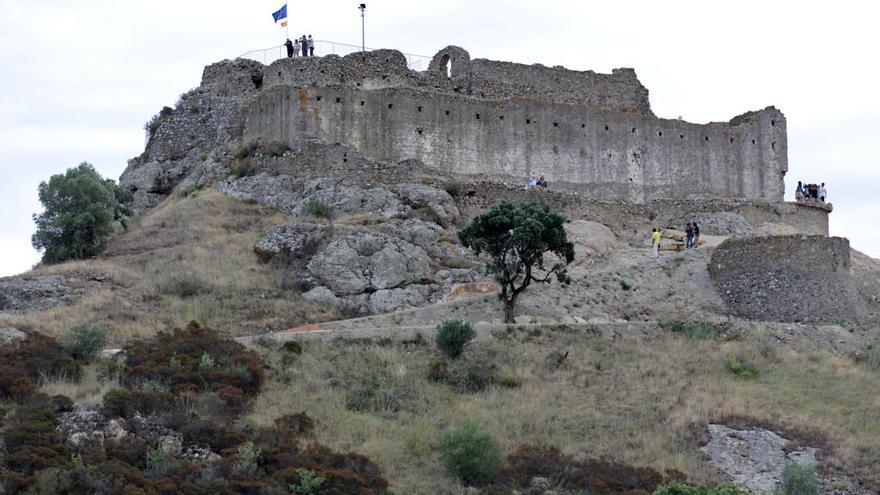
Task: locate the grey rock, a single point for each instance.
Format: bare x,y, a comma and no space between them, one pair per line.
171,444
437,201
9,334
367,262
32,293
321,295
282,192
292,241
753,459
344,200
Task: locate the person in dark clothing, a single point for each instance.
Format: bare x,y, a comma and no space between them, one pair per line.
689,235
289,45
304,42
696,241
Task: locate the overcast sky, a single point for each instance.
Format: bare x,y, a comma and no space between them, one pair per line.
80,78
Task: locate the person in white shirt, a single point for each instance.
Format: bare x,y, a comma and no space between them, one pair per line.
532,183
822,193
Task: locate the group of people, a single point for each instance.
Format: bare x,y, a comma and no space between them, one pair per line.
542,182
810,191
691,235
303,45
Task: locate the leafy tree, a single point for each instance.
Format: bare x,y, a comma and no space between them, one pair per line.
517,237
80,208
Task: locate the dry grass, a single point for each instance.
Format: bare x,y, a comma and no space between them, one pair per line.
89,390
189,258
637,401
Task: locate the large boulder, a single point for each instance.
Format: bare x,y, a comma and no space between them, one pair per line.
361,262
437,202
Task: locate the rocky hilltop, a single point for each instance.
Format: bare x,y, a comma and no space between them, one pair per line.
324,237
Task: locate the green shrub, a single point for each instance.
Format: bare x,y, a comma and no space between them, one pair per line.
307,483
700,330
245,150
246,458
276,149
453,336
470,454
872,354
153,124
184,285
84,342
243,168
292,347
318,208
678,488
472,375
453,187
80,209
740,369
624,285
798,479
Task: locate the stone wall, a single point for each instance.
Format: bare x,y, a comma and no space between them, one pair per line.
607,155
633,222
786,278
585,132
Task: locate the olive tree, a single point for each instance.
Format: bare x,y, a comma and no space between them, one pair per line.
516,238
80,210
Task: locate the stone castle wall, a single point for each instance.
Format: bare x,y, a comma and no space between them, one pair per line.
587,132
786,278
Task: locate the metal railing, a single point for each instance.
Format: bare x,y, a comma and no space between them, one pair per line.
271,54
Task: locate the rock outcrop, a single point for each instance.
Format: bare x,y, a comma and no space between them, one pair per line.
33,293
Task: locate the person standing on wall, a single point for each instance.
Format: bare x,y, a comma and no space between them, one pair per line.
822,193
696,242
799,193
689,236
304,42
655,243
296,48
311,46
289,45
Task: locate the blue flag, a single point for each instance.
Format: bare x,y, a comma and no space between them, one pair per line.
281,14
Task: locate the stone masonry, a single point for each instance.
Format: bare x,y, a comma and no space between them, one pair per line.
786,278
584,131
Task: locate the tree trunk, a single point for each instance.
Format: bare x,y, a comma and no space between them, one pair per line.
508,309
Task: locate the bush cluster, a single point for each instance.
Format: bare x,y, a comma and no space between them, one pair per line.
25,362
246,149
157,373
700,330
579,476
799,479
176,360
679,488
469,375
